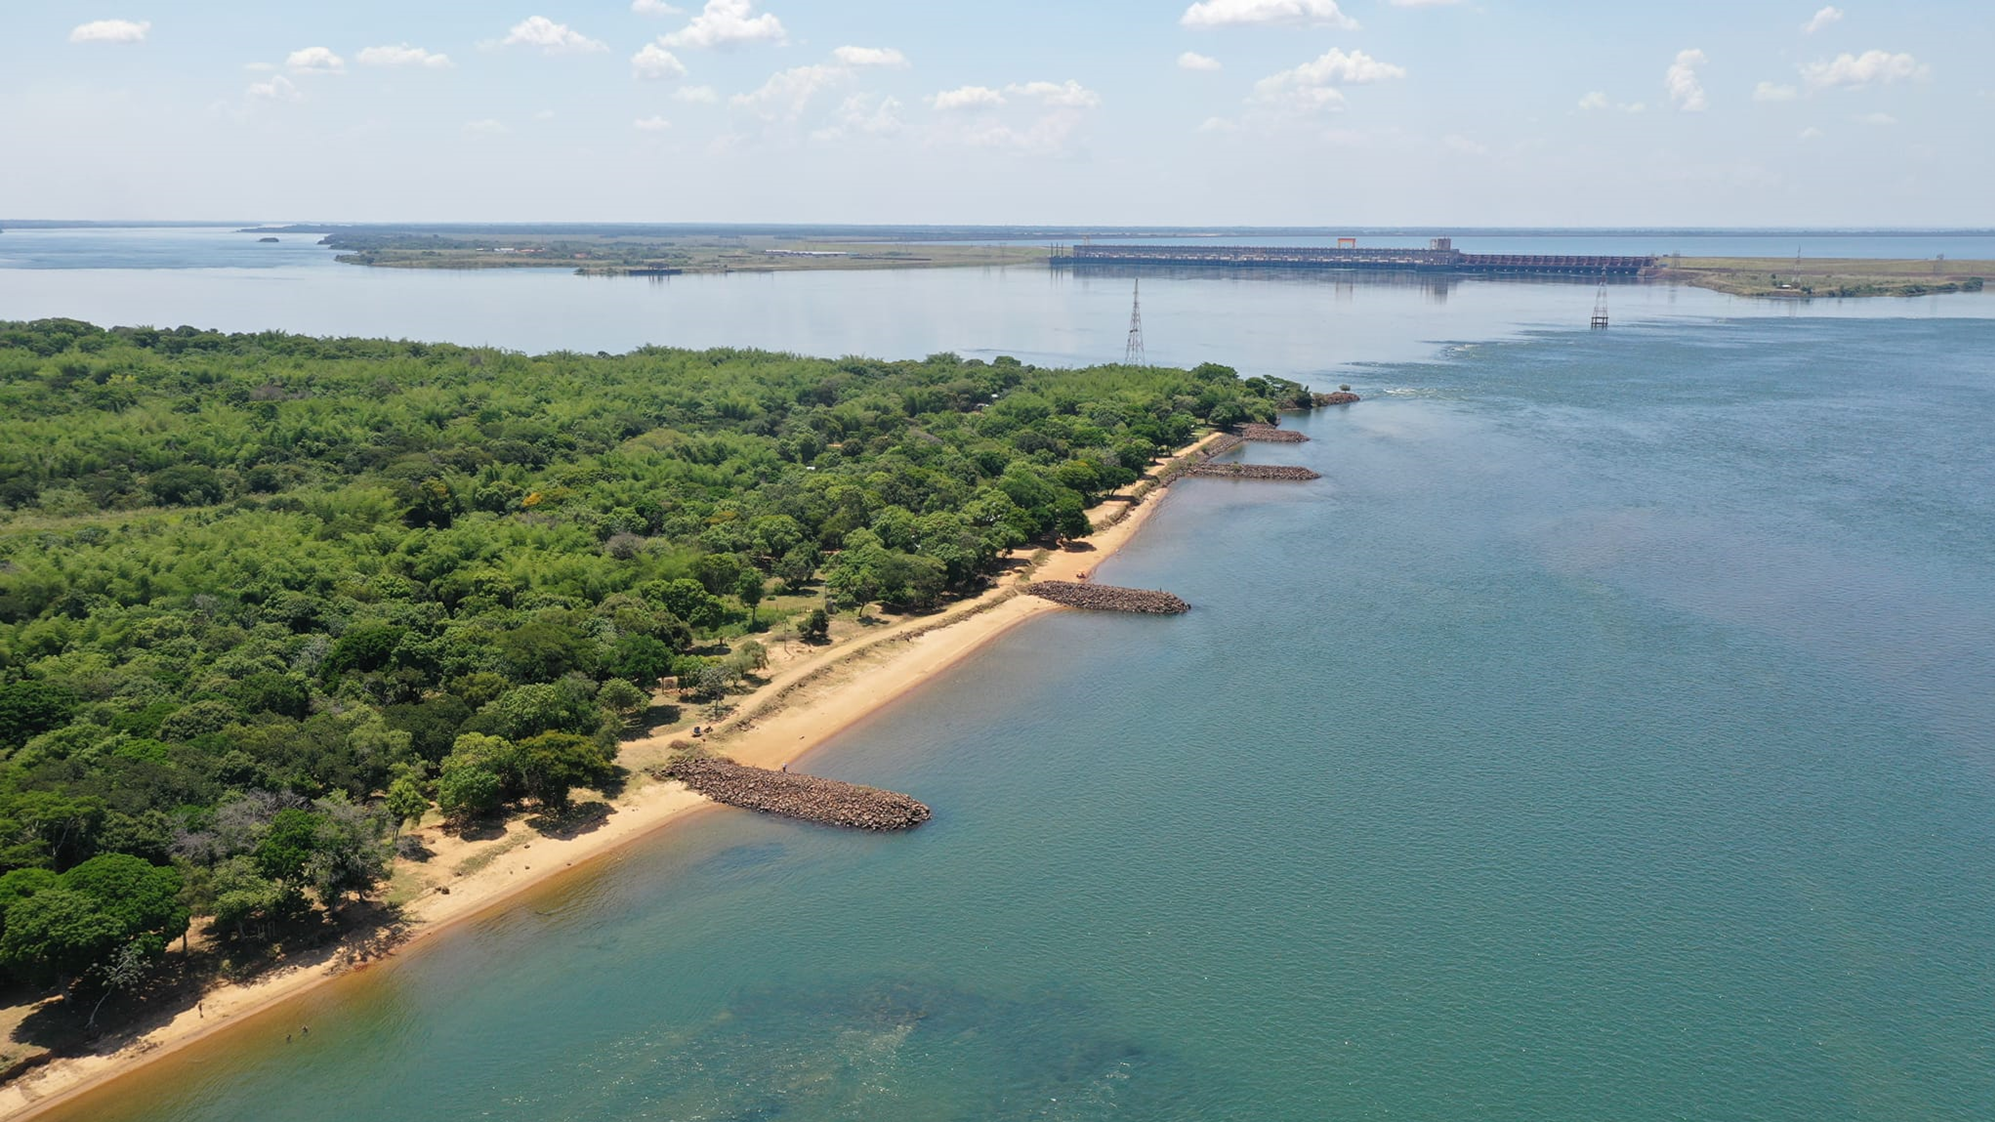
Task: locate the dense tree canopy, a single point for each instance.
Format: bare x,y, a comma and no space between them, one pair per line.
250,584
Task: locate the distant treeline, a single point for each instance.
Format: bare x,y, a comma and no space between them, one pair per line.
265,597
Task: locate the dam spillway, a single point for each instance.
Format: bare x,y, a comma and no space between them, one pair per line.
1439,257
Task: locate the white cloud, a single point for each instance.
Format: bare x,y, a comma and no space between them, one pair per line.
864,115
967,97
402,55
277,88
983,117
655,8
1595,100
259,67
315,60
1465,145
787,93
1219,124
1681,81
726,23
1354,69
1068,94
1768,91
1861,70
1245,13
1822,19
1312,87
1875,119
274,90
1192,60
486,127
657,63
543,114
871,56
651,124
696,95
1049,135
1812,133
110,31
552,38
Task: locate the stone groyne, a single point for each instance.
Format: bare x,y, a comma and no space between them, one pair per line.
1341,397
1220,445
1276,472
827,802
1269,434
1105,597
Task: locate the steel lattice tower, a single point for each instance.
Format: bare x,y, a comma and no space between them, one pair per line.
1600,305
1132,355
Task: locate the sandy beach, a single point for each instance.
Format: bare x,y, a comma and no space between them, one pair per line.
805,703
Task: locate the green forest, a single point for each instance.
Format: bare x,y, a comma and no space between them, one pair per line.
266,598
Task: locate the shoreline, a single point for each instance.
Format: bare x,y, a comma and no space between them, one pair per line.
796,712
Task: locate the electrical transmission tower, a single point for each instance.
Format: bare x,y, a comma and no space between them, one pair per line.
1132,355
1600,305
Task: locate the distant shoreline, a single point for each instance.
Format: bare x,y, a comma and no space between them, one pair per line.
617,251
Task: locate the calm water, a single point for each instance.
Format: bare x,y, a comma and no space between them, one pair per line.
1299,325
1608,735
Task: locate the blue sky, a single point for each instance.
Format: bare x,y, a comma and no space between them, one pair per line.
1477,112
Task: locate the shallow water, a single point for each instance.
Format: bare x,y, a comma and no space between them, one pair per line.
1606,736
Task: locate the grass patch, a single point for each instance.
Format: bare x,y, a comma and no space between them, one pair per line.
484,857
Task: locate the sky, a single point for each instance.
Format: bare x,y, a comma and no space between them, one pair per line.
1139,112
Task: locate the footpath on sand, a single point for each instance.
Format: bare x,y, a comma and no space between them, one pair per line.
803,705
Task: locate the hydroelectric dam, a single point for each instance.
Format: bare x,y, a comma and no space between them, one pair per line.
1440,256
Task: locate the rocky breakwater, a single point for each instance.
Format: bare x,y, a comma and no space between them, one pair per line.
1269,434
1273,472
1220,445
827,802
1105,597
1341,397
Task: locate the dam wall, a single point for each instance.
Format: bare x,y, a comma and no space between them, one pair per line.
1439,257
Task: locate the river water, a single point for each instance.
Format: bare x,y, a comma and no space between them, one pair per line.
1607,735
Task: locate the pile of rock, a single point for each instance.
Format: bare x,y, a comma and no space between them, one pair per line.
1269,434
1277,472
1341,397
1220,445
827,802
1105,597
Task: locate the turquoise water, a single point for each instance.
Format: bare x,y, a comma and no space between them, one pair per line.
1608,735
